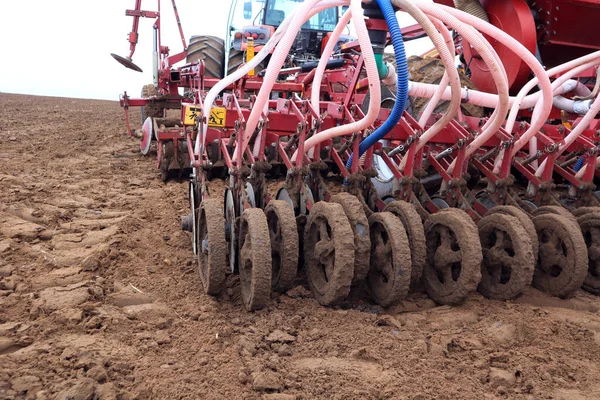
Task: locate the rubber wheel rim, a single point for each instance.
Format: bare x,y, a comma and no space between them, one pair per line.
453,267
283,234
328,253
590,228
212,253
508,260
413,225
390,264
254,259
359,223
563,259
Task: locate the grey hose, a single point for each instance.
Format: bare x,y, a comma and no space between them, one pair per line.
472,7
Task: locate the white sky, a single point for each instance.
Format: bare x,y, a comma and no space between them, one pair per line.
62,47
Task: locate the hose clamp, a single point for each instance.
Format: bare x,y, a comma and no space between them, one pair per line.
466,99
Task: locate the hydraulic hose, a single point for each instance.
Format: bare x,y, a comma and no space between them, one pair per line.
445,79
258,58
402,89
472,7
461,21
521,51
272,72
320,71
578,130
488,54
372,77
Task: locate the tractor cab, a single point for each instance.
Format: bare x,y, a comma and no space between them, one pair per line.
258,20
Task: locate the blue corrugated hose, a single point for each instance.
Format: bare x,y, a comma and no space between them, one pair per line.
402,71
578,165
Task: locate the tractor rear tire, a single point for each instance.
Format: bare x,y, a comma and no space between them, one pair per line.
237,58
210,49
151,110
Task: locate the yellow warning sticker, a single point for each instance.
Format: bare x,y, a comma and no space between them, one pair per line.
217,117
191,113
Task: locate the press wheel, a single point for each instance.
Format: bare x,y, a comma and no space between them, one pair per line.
524,219
413,225
230,222
590,227
355,213
283,233
508,260
213,248
558,210
563,258
453,267
328,252
254,263
390,264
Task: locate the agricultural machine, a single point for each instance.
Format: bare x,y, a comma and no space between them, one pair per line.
371,193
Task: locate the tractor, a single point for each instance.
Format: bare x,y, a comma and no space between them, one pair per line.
253,23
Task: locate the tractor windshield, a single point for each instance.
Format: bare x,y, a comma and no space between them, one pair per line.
277,10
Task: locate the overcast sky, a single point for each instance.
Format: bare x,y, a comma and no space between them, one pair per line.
62,48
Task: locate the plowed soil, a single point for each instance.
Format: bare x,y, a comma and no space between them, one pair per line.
100,297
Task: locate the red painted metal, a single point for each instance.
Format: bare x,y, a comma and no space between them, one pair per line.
514,17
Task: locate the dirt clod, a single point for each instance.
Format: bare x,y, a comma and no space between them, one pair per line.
280,336
98,374
27,383
83,389
266,380
299,292
499,377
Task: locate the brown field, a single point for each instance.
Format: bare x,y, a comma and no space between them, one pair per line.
100,297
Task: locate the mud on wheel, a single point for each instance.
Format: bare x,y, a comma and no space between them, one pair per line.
283,233
413,226
589,223
254,259
389,275
563,258
524,219
353,209
212,252
508,260
328,253
453,267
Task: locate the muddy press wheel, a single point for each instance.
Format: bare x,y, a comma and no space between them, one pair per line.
453,267
558,210
508,261
389,274
578,212
590,227
360,228
562,259
413,226
230,221
283,233
328,253
524,219
254,259
212,252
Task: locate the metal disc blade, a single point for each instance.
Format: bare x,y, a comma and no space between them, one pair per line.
194,208
146,136
126,62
